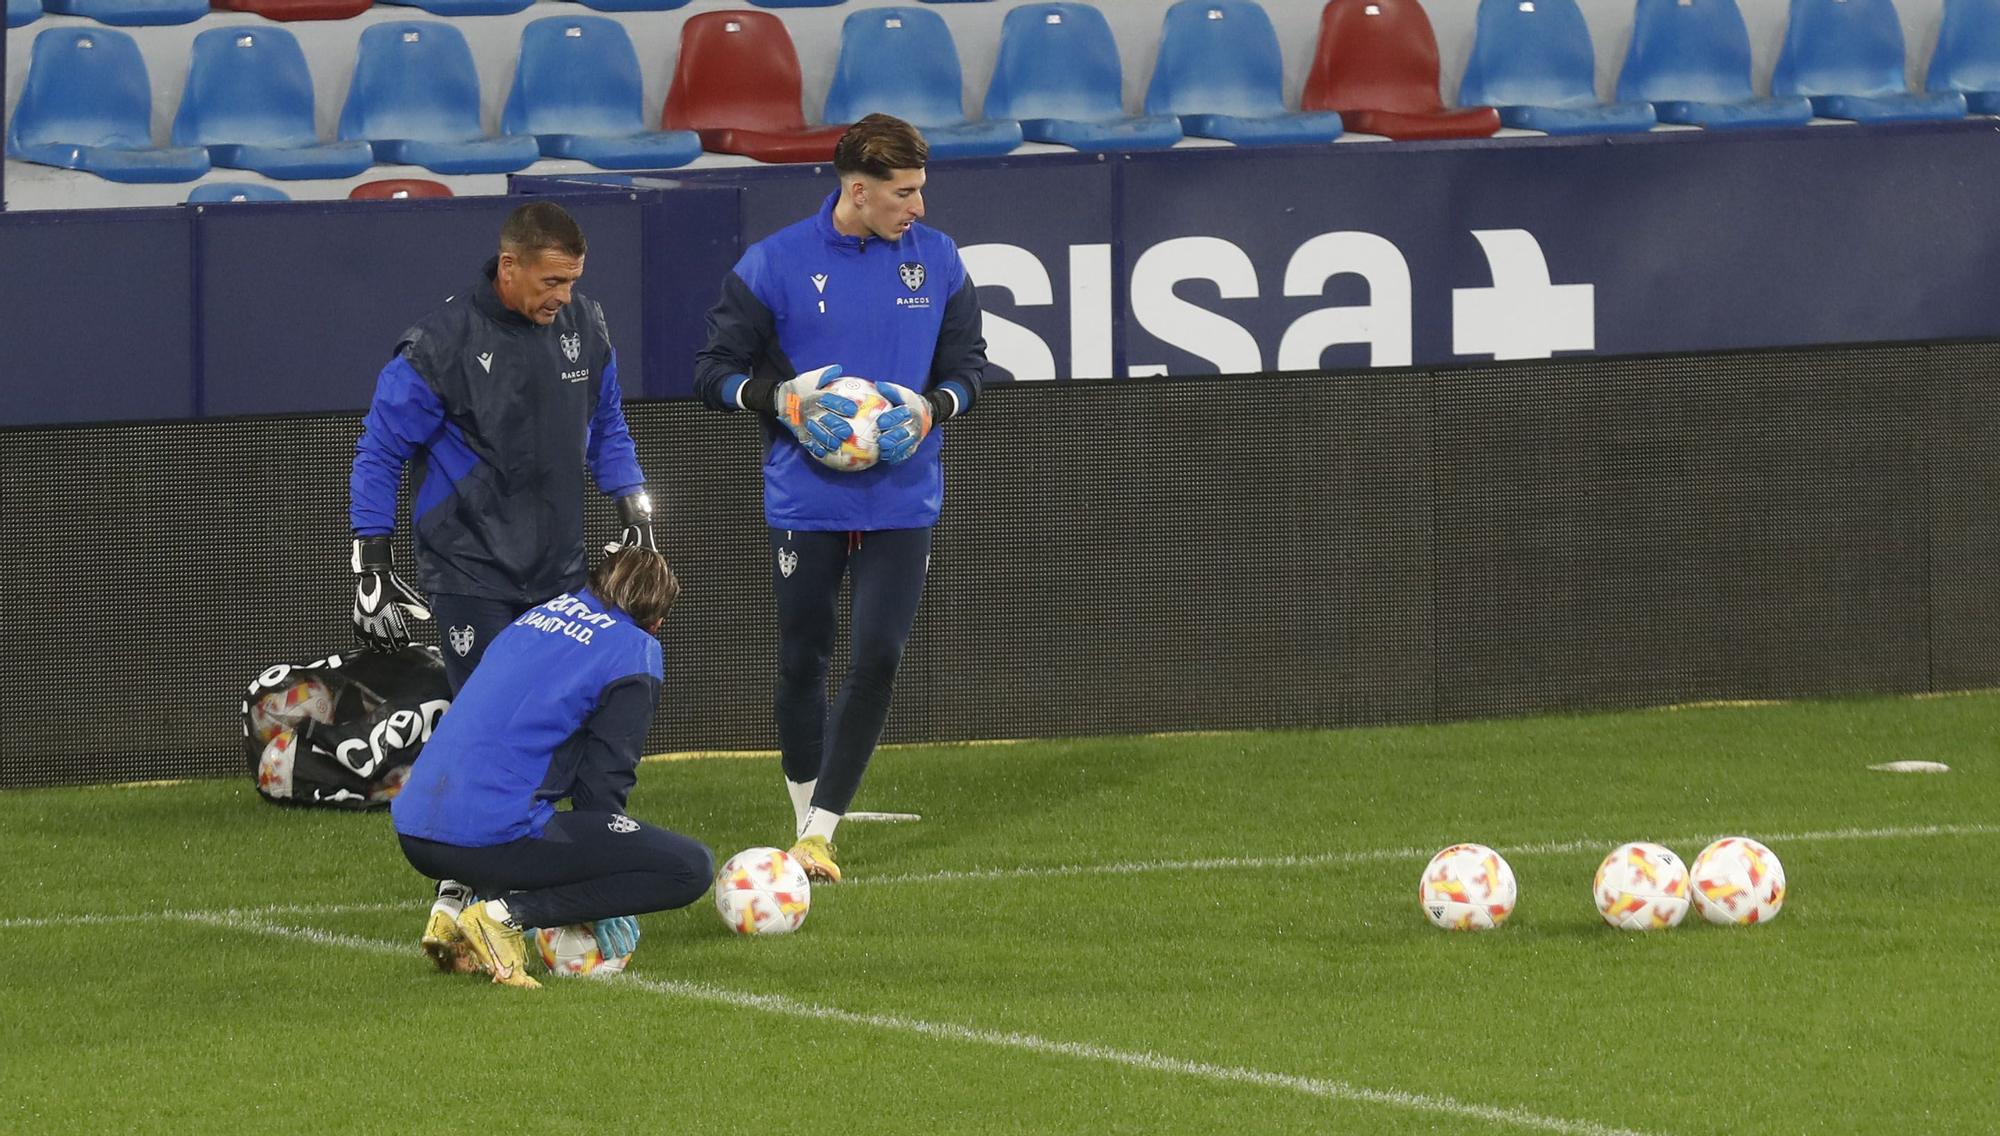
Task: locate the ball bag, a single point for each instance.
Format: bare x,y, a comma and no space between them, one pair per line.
341,732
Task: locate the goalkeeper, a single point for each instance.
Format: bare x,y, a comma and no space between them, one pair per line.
558,710
861,287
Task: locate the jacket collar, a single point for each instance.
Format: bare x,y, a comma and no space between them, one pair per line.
824,223
487,300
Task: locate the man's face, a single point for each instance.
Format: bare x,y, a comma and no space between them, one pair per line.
538,285
889,206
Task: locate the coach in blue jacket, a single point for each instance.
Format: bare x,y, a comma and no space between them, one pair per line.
500,396
862,288
558,711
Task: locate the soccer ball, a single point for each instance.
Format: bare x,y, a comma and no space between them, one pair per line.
1642,887
1467,887
1738,881
859,450
572,952
285,709
762,891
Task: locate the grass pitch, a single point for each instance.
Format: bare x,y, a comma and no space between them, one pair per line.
1172,934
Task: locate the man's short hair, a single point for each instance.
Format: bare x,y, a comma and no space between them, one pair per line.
878,146
538,226
638,582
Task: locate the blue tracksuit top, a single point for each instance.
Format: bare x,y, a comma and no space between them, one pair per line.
901,311
501,415
558,708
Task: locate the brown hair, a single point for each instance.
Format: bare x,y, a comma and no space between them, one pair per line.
878,146
638,582
538,226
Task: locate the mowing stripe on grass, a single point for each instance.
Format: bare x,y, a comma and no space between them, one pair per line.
1024,1042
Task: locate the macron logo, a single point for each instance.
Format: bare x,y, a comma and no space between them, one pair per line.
819,282
486,362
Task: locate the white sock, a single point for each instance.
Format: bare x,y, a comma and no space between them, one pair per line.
497,909
820,822
802,802
452,897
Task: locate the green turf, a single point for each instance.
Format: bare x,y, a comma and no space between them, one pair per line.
1085,971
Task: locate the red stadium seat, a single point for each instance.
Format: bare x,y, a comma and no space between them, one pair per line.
1377,64
296,9
737,85
386,188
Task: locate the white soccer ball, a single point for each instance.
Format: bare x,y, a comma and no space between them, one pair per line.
762,891
572,952
861,450
1738,881
1468,887
1642,887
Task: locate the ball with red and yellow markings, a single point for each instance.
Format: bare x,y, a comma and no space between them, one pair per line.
572,952
1737,881
1468,887
762,891
1641,887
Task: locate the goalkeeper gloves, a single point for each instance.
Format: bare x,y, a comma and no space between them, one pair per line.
904,425
635,513
383,604
616,937
817,419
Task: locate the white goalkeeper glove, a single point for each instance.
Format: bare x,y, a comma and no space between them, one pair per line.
904,425
383,604
817,419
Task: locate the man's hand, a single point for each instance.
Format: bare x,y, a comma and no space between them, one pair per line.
904,425
383,604
616,937
817,419
635,513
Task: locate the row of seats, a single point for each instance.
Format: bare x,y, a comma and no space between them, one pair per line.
132,13
384,189
414,98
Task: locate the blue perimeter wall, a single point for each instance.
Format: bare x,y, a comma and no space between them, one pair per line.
1188,262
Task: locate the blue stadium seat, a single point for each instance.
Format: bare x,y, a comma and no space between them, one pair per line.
902,61
635,5
215,191
577,90
1532,60
1058,75
1967,59
249,99
1220,72
1847,57
88,105
130,13
415,99
466,7
1691,60
22,12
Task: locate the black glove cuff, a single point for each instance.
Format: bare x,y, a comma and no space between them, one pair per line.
635,508
760,394
373,554
941,406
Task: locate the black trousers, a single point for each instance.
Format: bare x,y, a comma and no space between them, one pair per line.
583,867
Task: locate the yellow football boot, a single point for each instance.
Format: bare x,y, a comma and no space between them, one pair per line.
815,854
497,946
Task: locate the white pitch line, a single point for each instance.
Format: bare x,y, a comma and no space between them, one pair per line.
1025,1042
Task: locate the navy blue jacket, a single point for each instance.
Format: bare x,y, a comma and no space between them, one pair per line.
901,311
558,708
501,415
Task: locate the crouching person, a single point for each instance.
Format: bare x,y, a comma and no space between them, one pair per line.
557,710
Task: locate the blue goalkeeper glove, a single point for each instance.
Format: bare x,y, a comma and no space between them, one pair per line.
904,425
817,419
616,937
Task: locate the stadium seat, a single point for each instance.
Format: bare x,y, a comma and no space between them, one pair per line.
1058,75
1532,60
1967,59
577,90
387,189
415,99
249,99
1847,57
1220,71
1377,64
1691,60
23,12
130,13
796,3
736,84
298,9
902,61
466,7
214,191
634,5
87,105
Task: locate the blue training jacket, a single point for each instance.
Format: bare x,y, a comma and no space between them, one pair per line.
558,708
900,311
501,415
